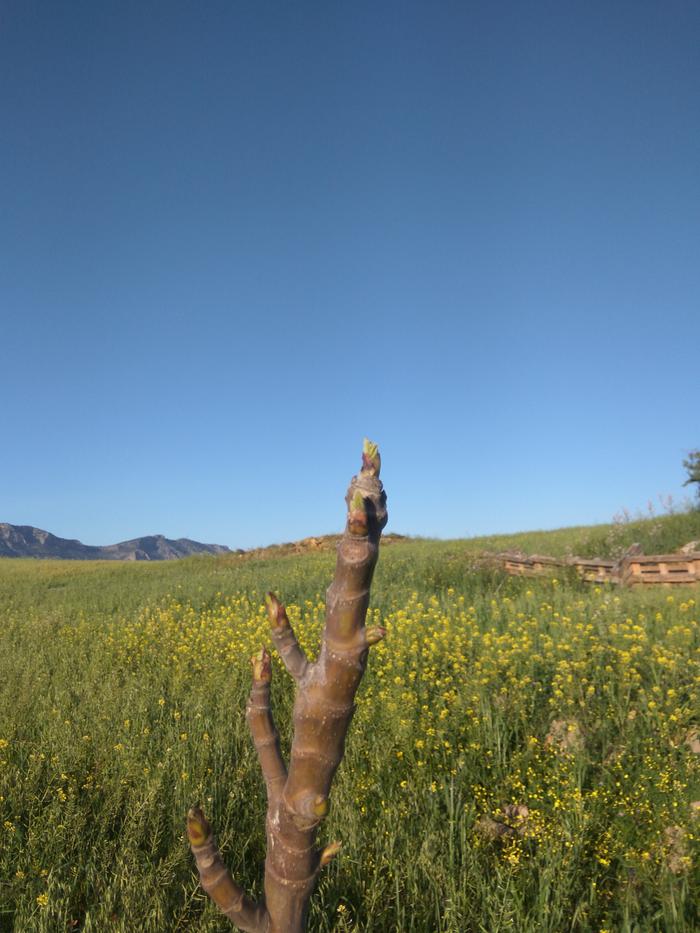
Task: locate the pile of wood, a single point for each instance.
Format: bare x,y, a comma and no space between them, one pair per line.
661,568
631,569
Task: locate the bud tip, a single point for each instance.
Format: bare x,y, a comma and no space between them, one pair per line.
321,806
375,634
262,669
371,459
197,827
330,852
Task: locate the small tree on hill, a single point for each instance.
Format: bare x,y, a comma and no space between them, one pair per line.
692,466
298,793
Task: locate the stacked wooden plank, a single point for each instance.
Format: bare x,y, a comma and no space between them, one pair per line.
594,569
524,565
669,569
632,569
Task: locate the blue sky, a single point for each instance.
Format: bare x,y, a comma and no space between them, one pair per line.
237,237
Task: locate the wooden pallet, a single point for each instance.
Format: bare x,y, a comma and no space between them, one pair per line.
632,570
668,569
594,569
524,565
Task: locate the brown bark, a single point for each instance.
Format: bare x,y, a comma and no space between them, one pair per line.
298,797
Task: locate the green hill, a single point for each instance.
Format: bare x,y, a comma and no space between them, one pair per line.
524,753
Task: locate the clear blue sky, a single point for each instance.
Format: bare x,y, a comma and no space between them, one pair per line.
237,237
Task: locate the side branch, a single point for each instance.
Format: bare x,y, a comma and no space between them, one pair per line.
284,638
262,727
216,879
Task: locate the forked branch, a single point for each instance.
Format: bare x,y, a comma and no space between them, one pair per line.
298,797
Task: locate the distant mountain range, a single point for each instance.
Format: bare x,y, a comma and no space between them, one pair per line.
25,541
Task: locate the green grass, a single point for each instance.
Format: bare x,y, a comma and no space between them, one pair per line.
122,695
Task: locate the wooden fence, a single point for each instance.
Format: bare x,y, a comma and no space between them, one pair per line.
632,569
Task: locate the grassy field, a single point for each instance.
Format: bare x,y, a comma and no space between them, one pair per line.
564,711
